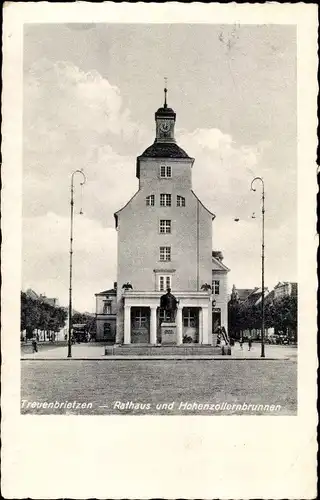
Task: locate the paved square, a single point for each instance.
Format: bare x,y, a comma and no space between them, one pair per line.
152,382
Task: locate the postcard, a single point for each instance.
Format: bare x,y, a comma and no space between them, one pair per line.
159,250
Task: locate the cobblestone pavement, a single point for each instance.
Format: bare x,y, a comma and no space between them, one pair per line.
122,386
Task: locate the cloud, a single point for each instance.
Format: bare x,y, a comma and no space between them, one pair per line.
223,170
73,120
61,95
46,257
212,139
241,245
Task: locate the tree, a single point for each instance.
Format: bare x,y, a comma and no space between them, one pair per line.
234,319
285,315
30,315
36,314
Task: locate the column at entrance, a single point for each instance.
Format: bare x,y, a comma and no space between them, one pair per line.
200,326
179,325
127,325
205,325
153,325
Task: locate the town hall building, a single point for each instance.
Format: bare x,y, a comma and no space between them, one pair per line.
165,241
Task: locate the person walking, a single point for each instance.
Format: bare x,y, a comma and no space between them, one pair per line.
34,345
249,343
241,343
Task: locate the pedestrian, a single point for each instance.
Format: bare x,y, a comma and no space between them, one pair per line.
34,345
241,343
249,343
225,335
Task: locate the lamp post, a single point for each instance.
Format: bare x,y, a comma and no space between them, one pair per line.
262,263
71,253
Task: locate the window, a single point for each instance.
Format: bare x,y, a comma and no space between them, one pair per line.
165,254
165,200
189,317
107,307
164,283
150,200
215,287
139,317
165,171
181,201
165,226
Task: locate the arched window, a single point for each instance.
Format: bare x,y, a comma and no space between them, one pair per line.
181,201
150,200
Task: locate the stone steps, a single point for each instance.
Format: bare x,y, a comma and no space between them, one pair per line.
149,350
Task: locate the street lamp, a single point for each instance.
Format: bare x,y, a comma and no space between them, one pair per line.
262,262
71,252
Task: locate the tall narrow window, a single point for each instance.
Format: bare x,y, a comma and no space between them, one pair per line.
139,317
189,317
164,283
165,200
150,200
181,201
165,171
216,287
165,254
165,226
107,307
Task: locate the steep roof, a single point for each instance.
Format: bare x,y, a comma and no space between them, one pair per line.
219,265
32,294
111,291
165,111
164,150
253,298
194,194
243,293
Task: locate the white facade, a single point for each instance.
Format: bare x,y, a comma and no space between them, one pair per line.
219,294
165,240
284,289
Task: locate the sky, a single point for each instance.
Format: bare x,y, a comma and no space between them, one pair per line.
90,94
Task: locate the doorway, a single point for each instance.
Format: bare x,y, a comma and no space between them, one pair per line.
216,320
140,325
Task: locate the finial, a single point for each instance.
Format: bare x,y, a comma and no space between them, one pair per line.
165,91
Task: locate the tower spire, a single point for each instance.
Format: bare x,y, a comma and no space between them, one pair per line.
165,92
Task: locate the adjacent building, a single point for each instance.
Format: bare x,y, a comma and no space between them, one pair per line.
106,314
219,292
285,289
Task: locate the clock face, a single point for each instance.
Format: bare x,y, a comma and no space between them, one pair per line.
164,126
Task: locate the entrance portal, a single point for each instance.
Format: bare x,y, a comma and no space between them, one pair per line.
140,325
190,330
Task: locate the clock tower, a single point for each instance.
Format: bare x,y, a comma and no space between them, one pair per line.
165,241
165,120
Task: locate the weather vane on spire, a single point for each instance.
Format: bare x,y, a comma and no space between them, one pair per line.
165,91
